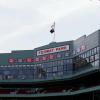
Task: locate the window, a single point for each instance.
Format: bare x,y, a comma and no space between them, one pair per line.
49,75
97,63
44,69
60,73
54,69
70,61
66,54
24,66
65,67
92,64
87,59
61,62
53,63
35,66
47,64
91,58
92,52
60,68
67,61
69,72
96,56
88,53
50,64
28,65
97,49
69,67
16,65
58,55
55,74
20,65
65,72
49,69
83,55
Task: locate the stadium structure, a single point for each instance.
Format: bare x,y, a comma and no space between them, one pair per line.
60,70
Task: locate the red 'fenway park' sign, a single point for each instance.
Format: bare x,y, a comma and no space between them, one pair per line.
53,50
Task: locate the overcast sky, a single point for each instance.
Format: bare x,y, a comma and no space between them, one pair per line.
25,24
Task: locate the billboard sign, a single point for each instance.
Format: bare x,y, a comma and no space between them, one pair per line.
53,50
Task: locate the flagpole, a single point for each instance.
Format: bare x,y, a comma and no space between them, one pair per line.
54,33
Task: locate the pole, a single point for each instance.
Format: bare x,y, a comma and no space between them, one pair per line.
54,33
54,36
93,95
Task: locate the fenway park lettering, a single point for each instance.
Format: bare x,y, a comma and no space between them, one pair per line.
53,50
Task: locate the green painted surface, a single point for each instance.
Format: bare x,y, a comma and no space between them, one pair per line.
97,88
